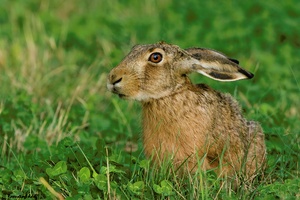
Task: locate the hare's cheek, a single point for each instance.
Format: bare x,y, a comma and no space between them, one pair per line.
128,90
141,96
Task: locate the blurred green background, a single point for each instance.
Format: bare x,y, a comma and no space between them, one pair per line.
55,56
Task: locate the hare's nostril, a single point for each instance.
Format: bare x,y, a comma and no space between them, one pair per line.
117,81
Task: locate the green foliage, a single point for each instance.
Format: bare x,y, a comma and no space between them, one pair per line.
84,174
58,169
165,188
57,120
137,187
285,190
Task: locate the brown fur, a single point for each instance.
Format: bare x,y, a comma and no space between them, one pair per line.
185,122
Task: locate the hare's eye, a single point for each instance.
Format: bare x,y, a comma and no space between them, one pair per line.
155,57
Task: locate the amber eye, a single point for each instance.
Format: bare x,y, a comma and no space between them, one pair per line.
155,57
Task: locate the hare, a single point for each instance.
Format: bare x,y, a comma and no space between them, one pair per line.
190,124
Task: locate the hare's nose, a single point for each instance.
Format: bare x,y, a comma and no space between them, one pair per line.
114,79
117,81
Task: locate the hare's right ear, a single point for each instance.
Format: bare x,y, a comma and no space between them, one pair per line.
215,65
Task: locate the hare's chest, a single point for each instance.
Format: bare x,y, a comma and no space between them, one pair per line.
170,137
173,127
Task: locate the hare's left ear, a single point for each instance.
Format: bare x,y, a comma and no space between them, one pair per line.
215,65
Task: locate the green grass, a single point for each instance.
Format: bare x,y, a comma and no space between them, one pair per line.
58,121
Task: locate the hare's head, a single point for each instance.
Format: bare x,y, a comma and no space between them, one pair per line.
157,70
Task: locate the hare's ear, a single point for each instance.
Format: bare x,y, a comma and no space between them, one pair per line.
216,65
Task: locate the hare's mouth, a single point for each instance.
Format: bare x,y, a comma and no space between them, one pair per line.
115,91
122,96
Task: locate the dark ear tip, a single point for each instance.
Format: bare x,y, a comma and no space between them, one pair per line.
246,73
250,75
234,60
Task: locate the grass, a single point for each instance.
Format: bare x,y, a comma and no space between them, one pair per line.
58,122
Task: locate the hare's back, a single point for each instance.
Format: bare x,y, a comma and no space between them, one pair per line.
224,109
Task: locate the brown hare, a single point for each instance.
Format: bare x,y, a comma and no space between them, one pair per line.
189,123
